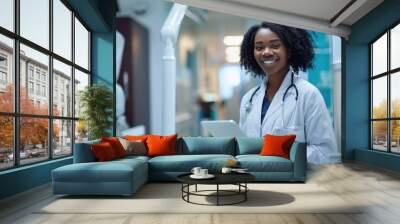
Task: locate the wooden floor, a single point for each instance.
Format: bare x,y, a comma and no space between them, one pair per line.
377,188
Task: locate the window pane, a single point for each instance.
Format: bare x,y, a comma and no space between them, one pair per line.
81,81
81,45
395,95
6,74
62,29
62,138
34,97
379,55
62,89
395,47
35,21
33,139
6,142
81,131
395,136
7,14
379,135
379,97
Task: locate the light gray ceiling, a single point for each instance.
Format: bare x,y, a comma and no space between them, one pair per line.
329,16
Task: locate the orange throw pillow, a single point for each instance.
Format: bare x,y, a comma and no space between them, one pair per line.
277,145
116,145
136,137
103,152
161,145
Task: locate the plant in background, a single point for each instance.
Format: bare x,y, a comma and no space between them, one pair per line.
81,130
96,102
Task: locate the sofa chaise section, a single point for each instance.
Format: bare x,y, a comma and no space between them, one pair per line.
87,177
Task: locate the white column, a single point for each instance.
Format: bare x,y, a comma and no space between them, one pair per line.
169,34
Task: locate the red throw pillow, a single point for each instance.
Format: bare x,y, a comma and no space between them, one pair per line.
116,145
103,152
161,145
277,145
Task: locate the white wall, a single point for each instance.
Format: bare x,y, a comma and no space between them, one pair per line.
337,87
153,19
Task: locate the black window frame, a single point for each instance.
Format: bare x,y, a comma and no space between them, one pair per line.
16,115
388,74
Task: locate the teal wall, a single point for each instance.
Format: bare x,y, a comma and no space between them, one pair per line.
24,178
99,16
321,75
102,58
356,85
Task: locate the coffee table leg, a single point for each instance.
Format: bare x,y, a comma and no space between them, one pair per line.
217,194
188,189
245,191
196,188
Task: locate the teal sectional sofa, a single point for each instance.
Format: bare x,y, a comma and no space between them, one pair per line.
125,176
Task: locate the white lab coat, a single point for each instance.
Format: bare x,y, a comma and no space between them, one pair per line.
309,119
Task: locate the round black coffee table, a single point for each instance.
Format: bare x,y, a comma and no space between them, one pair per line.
238,179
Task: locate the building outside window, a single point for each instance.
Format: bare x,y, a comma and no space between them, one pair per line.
38,89
3,61
37,75
30,87
30,72
3,78
385,94
3,72
43,90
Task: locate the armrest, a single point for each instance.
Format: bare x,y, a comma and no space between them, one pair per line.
298,155
83,152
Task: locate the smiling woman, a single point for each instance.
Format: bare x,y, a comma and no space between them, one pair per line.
285,104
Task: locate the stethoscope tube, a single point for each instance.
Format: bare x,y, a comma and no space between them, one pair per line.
249,104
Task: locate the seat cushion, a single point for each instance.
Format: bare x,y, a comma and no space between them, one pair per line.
185,163
132,159
111,171
257,163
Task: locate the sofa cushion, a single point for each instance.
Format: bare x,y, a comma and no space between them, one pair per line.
161,145
103,152
112,171
136,137
277,145
206,145
185,163
116,145
132,158
136,147
257,163
249,145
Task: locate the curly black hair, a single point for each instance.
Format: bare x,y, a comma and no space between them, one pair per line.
297,41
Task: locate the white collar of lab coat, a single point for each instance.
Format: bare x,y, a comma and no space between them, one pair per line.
286,82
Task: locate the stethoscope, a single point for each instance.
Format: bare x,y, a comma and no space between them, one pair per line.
249,104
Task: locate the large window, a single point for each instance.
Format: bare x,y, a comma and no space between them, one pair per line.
44,64
385,91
